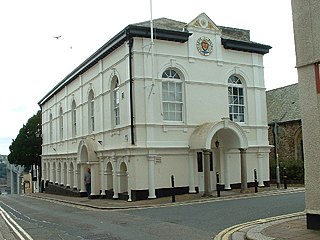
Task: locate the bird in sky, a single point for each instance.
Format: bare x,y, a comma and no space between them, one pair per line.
57,37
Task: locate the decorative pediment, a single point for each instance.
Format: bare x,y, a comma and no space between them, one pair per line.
204,22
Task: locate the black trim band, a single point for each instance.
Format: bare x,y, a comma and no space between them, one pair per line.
245,46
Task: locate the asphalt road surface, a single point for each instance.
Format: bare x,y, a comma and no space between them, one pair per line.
49,220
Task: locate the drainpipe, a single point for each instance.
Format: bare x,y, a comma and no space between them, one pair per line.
130,43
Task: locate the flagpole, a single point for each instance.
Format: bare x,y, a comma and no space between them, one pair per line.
152,48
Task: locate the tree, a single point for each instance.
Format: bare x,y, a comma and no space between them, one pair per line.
26,148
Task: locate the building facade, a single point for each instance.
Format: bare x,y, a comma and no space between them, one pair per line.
306,23
187,104
284,111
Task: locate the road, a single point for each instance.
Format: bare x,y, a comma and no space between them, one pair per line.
49,220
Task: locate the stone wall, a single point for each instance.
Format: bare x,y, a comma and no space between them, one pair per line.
290,147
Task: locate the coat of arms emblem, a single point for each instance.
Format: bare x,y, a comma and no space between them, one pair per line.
204,46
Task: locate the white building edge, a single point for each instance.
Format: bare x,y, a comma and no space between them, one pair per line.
192,106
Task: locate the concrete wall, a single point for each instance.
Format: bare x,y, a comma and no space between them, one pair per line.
306,24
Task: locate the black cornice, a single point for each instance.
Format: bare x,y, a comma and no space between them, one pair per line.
245,46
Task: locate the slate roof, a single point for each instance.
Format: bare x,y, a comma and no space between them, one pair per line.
169,24
283,104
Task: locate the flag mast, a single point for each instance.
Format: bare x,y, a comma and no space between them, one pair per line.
152,48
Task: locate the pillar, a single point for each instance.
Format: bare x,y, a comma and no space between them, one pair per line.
53,176
151,184
11,179
68,174
115,178
191,174
82,185
226,171
94,179
206,171
75,176
102,167
243,167
213,172
260,169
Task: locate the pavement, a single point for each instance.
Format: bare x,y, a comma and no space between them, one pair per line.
292,226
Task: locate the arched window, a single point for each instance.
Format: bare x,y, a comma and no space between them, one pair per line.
50,128
236,99
74,118
115,101
172,102
91,111
61,123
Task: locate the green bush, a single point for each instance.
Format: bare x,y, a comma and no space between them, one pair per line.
294,170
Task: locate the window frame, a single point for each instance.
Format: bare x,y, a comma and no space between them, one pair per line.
172,95
91,111
61,124
50,128
74,118
115,101
236,99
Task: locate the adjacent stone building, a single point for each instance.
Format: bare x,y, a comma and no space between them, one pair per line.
284,111
306,23
187,103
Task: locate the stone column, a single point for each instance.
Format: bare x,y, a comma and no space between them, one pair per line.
243,167
82,185
52,175
18,180
226,170
191,173
11,179
206,173
260,169
68,174
94,179
102,167
213,172
151,184
75,175
115,178
58,179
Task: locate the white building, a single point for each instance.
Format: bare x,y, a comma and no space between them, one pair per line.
189,104
306,23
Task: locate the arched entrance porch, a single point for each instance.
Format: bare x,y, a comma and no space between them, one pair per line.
87,158
220,144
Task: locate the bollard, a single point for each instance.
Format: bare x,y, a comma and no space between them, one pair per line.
255,181
173,191
285,178
218,184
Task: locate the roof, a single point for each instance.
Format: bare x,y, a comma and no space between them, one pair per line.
169,24
283,104
164,29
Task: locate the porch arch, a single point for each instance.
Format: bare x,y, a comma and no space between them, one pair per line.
87,158
202,136
123,173
209,136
